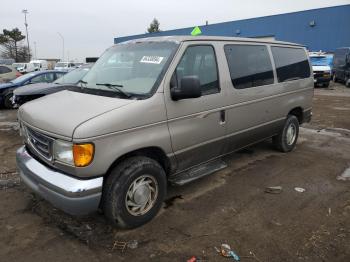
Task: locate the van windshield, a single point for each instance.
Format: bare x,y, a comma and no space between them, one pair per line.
133,69
320,61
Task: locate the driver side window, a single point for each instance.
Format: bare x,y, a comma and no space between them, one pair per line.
200,60
43,78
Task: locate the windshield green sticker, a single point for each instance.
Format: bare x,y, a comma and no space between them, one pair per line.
196,31
152,59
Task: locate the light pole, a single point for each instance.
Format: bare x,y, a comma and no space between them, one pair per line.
35,55
25,12
62,45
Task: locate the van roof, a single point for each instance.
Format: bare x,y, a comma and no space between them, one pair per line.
184,38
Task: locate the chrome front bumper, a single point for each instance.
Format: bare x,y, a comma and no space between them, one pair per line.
72,195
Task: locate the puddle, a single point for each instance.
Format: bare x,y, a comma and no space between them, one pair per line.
170,201
341,108
7,126
345,176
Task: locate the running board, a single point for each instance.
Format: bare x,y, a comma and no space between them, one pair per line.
197,172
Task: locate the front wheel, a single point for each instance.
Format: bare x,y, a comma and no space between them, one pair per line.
134,192
286,140
8,100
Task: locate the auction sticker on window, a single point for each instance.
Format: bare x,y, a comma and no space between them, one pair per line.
152,59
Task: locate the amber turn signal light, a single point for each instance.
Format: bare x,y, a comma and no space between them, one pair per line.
83,154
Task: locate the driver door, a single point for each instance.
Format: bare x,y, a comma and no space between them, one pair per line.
196,125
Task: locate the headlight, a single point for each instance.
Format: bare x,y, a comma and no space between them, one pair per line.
79,155
63,152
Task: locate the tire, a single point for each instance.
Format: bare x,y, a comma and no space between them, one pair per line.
347,82
283,142
121,181
326,84
7,100
335,79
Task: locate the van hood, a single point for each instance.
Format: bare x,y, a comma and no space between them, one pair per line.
321,68
59,114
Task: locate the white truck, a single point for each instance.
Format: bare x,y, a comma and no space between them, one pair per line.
40,65
24,68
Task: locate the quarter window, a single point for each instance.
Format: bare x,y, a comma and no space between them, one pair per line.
249,65
291,63
200,61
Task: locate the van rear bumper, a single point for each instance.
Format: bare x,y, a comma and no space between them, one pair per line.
73,196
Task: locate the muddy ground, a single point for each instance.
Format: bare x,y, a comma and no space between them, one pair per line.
229,206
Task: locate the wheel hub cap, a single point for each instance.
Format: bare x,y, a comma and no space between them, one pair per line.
291,134
141,195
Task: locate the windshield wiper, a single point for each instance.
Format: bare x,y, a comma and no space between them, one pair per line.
82,81
116,88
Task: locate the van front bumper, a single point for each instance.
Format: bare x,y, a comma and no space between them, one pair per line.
72,195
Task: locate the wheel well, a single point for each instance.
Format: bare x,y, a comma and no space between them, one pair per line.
298,112
154,153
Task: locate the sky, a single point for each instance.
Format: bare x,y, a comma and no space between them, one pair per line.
89,27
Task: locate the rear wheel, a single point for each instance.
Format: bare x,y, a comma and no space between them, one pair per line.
286,140
335,79
134,192
347,82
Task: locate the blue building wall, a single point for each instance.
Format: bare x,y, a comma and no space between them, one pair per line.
331,30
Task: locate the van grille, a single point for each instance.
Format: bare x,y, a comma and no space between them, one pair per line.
40,143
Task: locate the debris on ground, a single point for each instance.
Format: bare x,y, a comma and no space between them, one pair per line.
119,245
192,259
252,255
273,190
9,179
299,189
133,244
226,251
345,175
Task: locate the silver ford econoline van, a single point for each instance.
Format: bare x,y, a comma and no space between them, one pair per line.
159,110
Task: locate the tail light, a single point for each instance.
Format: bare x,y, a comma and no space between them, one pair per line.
18,74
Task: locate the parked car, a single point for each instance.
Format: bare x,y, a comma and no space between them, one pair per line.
160,109
65,66
341,65
321,66
8,73
24,68
6,90
40,65
27,93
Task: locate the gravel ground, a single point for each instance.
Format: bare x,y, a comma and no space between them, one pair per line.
230,206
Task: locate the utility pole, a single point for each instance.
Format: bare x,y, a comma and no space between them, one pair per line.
25,12
62,45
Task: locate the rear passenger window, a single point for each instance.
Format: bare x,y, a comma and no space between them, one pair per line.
200,61
291,63
249,65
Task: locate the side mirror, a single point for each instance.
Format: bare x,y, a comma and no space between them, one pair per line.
190,88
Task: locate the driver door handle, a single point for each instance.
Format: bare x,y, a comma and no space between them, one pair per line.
222,117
